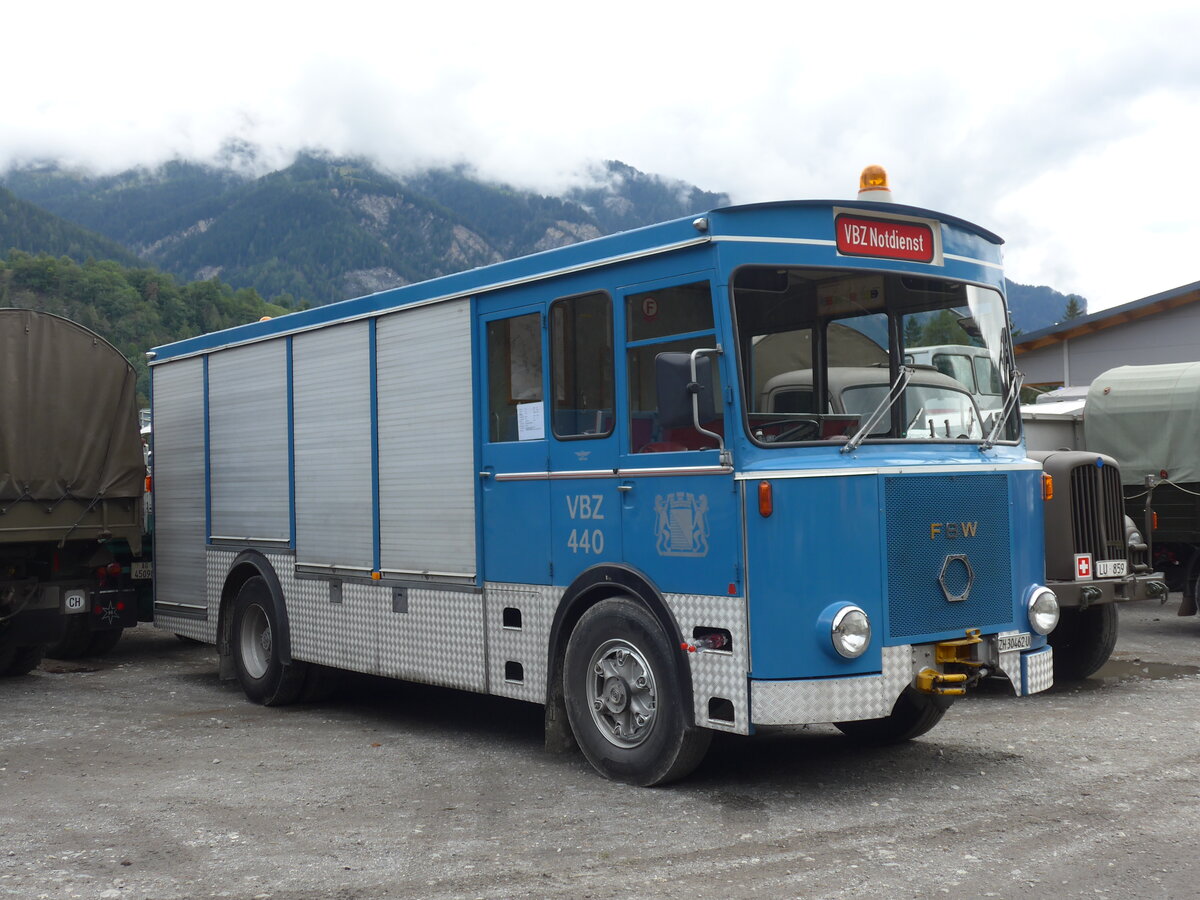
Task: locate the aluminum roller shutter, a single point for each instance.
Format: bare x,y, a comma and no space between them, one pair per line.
248,442
179,499
331,383
426,441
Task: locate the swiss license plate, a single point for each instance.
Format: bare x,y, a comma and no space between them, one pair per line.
141,571
1111,568
74,602
1019,641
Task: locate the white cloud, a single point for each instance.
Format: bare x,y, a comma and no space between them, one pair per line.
1068,132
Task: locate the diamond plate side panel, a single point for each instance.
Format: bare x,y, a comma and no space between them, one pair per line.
527,646
717,674
1038,666
1010,665
439,640
833,699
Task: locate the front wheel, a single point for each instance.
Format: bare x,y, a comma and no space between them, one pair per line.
1083,641
624,699
264,676
914,714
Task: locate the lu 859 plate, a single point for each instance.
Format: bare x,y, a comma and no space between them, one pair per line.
1017,641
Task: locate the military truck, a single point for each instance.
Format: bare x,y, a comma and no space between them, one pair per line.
1148,418
72,479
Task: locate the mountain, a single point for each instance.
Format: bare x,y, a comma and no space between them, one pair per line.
26,227
324,229
1034,308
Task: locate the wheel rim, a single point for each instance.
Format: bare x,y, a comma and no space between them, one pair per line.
621,693
254,641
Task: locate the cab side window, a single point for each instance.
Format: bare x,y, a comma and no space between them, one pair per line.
581,366
671,319
516,411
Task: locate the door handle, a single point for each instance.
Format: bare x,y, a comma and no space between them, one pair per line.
624,487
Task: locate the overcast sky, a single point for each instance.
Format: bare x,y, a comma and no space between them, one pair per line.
1072,132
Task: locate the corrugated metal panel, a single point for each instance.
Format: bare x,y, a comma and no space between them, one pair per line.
179,502
331,383
248,455
426,446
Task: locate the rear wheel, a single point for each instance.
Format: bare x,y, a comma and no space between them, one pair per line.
264,676
74,641
914,714
1083,641
624,699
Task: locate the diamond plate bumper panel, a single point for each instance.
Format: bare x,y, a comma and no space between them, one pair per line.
833,699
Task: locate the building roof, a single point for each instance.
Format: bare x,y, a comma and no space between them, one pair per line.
1108,318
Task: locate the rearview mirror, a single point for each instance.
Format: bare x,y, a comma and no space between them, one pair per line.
673,377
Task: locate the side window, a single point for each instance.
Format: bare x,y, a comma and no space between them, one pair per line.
657,322
516,411
957,367
581,358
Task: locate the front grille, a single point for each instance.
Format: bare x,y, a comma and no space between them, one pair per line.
917,553
1097,519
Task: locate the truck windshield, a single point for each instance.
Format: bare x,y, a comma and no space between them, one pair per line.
819,348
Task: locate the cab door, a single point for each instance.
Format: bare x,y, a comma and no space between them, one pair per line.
679,510
514,456
584,489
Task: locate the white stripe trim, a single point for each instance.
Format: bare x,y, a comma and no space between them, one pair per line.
609,473
973,260
750,239
889,470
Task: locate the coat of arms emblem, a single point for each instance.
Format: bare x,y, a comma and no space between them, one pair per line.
681,524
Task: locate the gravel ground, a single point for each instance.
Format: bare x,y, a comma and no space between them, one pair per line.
140,775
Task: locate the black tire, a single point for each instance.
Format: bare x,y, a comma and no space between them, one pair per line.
263,675
1083,641
74,641
913,715
320,683
17,661
103,641
641,694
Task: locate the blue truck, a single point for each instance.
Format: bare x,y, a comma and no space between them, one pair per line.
561,479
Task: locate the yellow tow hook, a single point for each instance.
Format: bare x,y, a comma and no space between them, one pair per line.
957,653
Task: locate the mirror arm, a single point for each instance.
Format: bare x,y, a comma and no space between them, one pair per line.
694,389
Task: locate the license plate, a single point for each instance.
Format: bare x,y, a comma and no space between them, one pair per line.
1111,568
1006,642
141,571
75,602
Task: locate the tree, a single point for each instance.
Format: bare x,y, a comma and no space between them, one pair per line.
1076,307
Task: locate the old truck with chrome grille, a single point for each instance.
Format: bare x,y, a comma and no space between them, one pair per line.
1096,556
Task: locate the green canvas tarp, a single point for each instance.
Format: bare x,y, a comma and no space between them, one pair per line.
1148,419
68,415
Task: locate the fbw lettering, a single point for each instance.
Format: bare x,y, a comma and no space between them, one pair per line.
953,529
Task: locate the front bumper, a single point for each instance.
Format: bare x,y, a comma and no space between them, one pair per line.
805,702
1082,594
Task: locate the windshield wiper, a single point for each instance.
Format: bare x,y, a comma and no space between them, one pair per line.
1005,411
893,394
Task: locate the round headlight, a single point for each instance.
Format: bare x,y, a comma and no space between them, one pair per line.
1043,610
851,632
1135,537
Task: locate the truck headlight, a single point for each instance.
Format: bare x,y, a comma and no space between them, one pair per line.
1133,538
1043,610
851,632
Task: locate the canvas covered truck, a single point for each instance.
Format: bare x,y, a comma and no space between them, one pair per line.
553,479
1148,419
72,479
